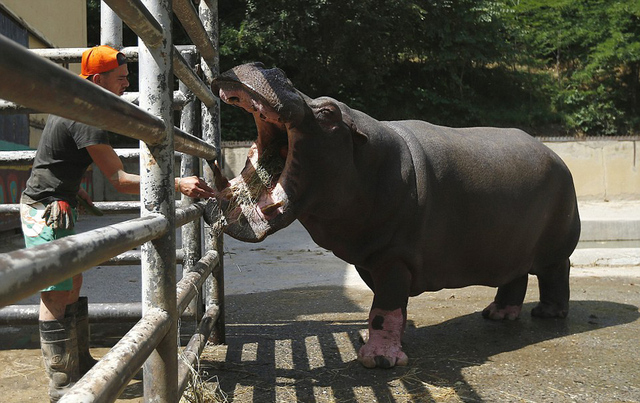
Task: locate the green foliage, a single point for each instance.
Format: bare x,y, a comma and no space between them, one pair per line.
593,49
535,64
526,63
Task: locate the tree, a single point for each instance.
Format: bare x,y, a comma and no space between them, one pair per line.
593,49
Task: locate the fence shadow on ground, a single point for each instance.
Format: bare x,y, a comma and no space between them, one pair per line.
301,345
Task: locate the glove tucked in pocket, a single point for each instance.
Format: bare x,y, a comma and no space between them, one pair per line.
59,215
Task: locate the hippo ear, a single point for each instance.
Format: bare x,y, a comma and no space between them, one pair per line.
359,137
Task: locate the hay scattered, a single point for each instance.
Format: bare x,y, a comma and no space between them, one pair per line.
200,390
245,193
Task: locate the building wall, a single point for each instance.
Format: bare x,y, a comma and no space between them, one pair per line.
61,22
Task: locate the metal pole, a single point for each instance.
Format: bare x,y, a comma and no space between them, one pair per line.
26,271
190,165
211,134
110,27
157,194
42,85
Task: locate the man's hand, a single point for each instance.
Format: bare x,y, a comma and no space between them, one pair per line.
195,187
85,204
58,215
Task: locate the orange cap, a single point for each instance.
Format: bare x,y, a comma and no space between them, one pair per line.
100,59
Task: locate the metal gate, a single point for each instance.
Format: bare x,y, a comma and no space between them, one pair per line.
33,82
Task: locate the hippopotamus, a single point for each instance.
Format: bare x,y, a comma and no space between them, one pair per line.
414,206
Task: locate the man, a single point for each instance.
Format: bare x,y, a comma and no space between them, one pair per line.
49,211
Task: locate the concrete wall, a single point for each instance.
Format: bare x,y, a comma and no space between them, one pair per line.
602,169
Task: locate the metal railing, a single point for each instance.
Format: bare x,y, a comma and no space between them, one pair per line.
33,82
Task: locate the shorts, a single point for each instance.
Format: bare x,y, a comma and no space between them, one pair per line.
36,232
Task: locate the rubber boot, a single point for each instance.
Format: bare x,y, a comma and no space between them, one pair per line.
59,344
86,361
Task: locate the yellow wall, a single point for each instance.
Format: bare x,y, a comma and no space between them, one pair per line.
62,22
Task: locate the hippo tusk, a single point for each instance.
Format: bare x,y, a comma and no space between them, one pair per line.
271,207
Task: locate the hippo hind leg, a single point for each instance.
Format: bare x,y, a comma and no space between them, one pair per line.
508,301
553,282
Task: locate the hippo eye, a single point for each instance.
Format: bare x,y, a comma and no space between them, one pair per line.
326,111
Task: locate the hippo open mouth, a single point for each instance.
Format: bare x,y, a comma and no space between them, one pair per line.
257,202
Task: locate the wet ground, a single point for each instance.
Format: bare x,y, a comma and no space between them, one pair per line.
293,314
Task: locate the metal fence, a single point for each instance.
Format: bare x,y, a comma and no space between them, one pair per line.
33,82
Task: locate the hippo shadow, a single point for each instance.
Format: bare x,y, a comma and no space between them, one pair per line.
301,345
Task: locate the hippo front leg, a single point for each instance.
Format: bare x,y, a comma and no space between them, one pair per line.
387,319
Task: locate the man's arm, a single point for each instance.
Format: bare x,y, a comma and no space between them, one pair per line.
111,166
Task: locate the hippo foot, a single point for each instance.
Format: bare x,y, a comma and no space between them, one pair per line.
547,310
373,355
383,340
496,311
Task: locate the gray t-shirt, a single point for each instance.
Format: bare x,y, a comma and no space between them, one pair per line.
62,160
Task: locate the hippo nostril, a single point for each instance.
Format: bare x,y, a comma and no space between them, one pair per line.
233,100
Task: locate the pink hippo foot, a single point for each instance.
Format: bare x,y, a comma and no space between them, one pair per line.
383,348
496,311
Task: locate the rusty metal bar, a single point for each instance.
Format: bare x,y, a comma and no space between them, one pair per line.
122,207
157,195
26,271
110,27
188,144
74,55
106,380
182,70
188,287
112,312
13,158
12,108
188,16
179,99
25,157
140,19
214,288
189,165
196,345
42,85
193,82
132,258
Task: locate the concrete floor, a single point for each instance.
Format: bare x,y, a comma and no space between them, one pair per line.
293,313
